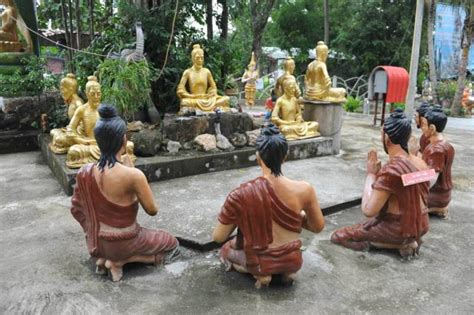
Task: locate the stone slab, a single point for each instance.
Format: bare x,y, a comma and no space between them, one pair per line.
18,141
167,166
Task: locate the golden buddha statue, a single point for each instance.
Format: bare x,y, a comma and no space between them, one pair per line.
287,114
250,79
197,89
11,20
317,80
78,139
68,88
289,68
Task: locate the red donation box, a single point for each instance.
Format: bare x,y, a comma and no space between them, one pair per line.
389,84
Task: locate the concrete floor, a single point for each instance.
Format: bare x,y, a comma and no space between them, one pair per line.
45,268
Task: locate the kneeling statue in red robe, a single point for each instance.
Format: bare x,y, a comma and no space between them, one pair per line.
270,212
105,203
397,211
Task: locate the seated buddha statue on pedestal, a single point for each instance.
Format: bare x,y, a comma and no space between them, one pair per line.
197,89
317,80
287,114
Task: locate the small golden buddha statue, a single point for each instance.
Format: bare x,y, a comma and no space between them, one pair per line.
250,79
8,36
287,114
68,88
197,89
317,80
289,68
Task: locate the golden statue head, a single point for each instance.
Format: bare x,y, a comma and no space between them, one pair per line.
253,63
289,85
197,55
68,86
289,65
322,51
93,91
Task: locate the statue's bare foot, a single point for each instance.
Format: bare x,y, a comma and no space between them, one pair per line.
288,278
409,251
262,281
115,269
100,266
440,212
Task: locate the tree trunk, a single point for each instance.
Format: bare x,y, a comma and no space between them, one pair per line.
210,34
66,34
414,60
466,44
71,30
224,26
431,57
78,24
326,21
224,19
260,11
91,19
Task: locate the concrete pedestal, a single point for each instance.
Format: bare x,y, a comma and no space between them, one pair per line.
329,117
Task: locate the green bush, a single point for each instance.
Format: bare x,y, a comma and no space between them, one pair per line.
33,80
447,89
352,104
398,106
126,85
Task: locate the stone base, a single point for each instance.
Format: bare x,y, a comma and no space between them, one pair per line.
329,117
14,141
184,129
167,166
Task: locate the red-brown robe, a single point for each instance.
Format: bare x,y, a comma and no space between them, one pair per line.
90,208
388,228
424,142
253,207
439,156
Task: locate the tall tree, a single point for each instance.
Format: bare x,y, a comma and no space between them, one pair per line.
326,21
91,19
210,32
431,20
78,24
260,11
224,20
64,18
467,37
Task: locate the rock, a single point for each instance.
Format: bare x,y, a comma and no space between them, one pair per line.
188,145
173,146
184,129
147,141
238,139
10,121
153,114
206,142
223,143
135,125
233,122
252,137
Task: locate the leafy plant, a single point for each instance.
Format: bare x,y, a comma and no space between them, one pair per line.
447,89
398,106
126,85
352,104
33,80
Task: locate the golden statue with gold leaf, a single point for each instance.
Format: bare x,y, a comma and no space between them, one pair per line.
317,80
78,139
11,20
197,89
287,114
250,79
289,68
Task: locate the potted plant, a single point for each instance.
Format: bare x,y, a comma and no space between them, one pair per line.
230,86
